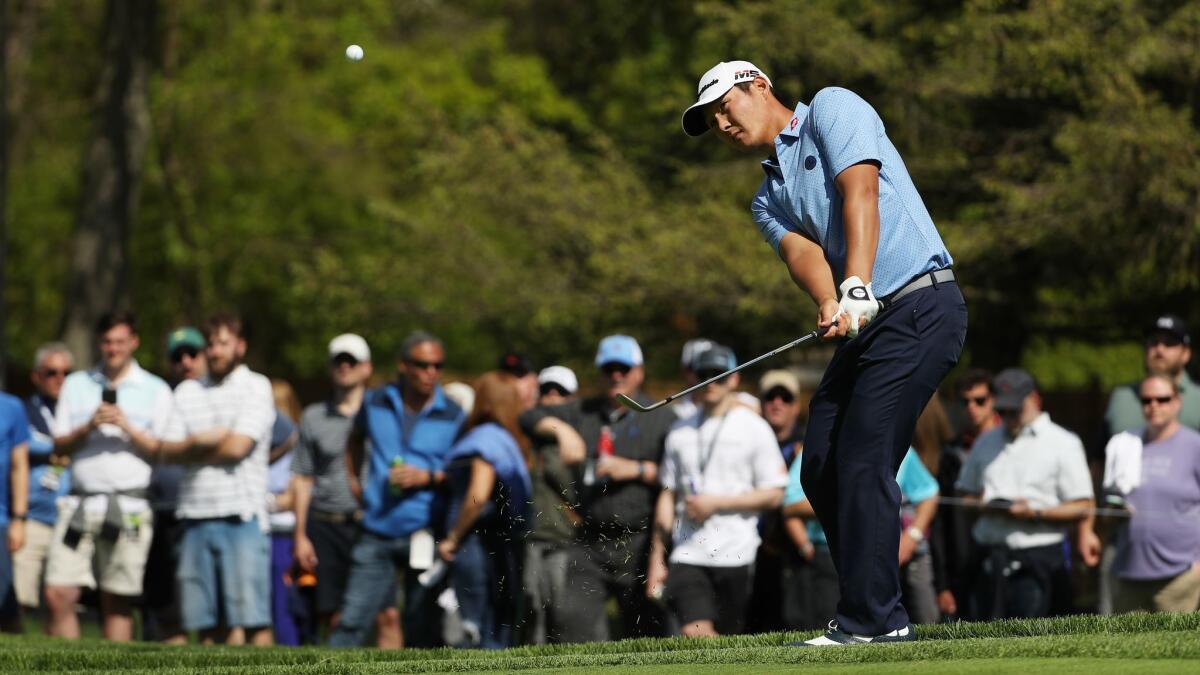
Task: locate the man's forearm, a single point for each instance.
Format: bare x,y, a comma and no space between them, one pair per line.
664,521
302,494
19,480
1067,512
859,187
69,444
808,268
925,512
754,500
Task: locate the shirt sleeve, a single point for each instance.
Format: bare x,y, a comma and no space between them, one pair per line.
164,404
19,429
916,483
62,411
257,414
771,223
847,129
970,479
282,429
1074,479
303,459
794,493
668,471
176,427
770,471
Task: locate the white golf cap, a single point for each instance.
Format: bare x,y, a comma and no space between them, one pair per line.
713,85
560,375
349,343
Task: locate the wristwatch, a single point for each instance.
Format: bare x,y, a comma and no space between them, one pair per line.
641,469
19,516
916,533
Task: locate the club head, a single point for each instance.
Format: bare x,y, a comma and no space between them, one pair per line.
634,405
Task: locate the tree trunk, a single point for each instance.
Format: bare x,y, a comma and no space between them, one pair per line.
112,170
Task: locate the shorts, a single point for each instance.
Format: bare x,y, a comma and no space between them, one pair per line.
115,567
224,574
333,543
29,563
716,594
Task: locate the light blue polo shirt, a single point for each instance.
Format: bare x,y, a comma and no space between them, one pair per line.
916,485
799,194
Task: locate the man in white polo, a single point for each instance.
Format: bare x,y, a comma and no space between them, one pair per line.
221,430
105,420
1030,476
721,468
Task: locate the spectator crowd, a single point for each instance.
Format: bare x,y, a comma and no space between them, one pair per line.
516,510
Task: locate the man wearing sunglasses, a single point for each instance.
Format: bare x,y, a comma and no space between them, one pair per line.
49,479
721,469
1030,478
1156,470
613,457
410,425
162,621
1168,349
327,515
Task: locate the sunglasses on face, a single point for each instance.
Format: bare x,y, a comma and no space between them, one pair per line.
552,387
976,400
1161,400
52,372
610,369
178,354
424,365
779,393
1164,340
343,359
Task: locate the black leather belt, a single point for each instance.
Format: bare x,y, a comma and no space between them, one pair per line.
337,518
942,276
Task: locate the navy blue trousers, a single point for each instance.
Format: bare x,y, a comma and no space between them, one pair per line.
860,426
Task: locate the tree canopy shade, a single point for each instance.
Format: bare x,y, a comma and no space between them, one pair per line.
511,173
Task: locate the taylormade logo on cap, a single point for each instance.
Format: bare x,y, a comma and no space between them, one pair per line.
713,85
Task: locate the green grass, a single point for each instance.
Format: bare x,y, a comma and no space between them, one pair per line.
1091,645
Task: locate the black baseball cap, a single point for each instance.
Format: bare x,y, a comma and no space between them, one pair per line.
1012,385
517,363
1172,325
716,357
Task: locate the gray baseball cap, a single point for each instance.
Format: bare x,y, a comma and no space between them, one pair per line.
1012,386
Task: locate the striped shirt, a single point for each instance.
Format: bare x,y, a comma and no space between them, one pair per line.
321,454
243,404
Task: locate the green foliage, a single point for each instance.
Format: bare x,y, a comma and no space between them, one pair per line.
511,172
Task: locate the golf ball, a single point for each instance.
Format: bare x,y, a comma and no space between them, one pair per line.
354,53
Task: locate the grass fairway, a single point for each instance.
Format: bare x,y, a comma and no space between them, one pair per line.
1090,645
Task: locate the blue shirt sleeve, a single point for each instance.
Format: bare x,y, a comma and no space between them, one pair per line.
847,129
916,483
772,225
18,429
794,492
282,429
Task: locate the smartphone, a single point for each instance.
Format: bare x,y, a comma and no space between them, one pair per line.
109,395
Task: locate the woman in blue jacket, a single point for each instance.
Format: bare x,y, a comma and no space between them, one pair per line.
488,515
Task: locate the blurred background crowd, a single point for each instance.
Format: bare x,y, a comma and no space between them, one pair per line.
526,506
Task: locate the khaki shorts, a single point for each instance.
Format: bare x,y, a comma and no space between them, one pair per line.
1175,594
29,563
119,566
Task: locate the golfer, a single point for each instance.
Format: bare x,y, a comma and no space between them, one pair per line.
841,211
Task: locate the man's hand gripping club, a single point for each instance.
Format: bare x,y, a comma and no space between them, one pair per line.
857,305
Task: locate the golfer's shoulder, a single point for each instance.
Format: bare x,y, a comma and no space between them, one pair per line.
838,103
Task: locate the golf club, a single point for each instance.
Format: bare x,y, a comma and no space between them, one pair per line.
634,405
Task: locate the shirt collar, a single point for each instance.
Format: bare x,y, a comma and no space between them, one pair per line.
771,166
1037,427
237,372
133,376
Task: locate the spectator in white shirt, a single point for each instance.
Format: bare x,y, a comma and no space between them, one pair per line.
221,430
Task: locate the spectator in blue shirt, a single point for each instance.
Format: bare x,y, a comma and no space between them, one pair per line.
48,478
410,425
14,503
488,518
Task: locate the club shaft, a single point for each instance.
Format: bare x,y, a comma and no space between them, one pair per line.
798,341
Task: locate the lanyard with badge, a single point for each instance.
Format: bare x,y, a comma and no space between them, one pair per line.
695,481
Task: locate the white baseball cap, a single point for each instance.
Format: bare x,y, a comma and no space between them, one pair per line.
560,375
349,343
713,85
